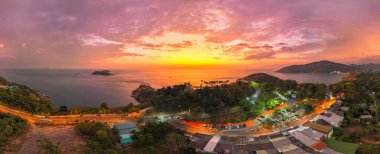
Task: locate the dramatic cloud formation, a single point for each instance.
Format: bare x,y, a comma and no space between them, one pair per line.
128,33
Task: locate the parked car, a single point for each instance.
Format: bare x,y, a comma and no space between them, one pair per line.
261,118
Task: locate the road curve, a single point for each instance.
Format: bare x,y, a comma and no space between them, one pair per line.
68,119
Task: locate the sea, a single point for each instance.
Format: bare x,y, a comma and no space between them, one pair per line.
77,87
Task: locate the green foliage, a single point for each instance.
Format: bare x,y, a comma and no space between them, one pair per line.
345,136
268,122
103,108
226,102
215,101
63,110
9,126
4,81
48,147
100,138
288,85
99,110
281,85
22,97
257,109
306,106
143,94
311,91
339,146
254,84
160,138
350,137
131,108
337,132
368,149
277,112
101,135
270,104
361,95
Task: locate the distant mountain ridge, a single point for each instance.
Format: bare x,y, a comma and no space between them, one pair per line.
327,67
369,66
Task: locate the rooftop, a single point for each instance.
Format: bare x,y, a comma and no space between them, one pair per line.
126,128
332,118
308,141
212,143
318,127
125,138
368,116
313,133
125,125
319,145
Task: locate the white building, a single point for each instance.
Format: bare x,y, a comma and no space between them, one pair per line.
313,133
309,137
330,117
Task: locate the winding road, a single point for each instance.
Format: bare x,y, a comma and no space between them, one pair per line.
250,130
69,119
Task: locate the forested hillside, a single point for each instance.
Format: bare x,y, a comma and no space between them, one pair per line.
24,98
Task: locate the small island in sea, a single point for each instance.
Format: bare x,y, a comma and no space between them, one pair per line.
102,72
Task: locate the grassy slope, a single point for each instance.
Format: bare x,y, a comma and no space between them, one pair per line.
344,147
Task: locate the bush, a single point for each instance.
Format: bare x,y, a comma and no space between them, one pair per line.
160,138
337,132
368,149
212,100
98,139
48,147
350,137
9,126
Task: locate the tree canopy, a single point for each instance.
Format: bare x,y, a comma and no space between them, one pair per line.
214,101
160,137
100,138
10,125
24,98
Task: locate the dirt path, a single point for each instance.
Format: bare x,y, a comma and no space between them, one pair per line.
66,138
370,139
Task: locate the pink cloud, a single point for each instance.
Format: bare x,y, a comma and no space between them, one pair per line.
266,28
128,54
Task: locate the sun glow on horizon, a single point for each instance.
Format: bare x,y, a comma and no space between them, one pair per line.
175,49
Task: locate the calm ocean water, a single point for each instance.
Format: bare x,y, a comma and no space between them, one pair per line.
75,87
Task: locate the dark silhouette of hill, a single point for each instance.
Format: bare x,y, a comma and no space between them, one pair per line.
262,78
369,66
319,67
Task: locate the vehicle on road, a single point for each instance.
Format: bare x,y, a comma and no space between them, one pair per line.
261,118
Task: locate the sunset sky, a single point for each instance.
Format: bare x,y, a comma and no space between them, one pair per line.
186,33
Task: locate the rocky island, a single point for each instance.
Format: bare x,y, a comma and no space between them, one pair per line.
102,72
